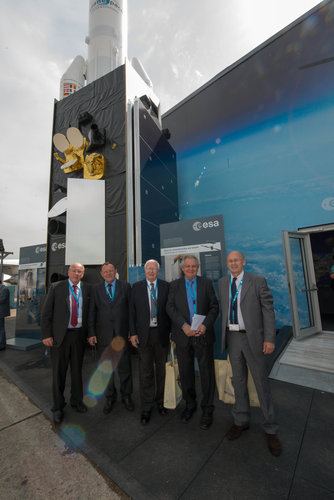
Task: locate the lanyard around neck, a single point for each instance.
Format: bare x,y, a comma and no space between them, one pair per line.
154,296
76,297
233,299
111,296
193,295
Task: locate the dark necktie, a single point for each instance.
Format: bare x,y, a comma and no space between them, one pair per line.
152,303
74,308
110,291
234,317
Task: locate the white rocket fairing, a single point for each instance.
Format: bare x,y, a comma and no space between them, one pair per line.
74,77
107,38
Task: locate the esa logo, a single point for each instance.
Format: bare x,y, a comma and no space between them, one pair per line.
58,246
197,226
40,250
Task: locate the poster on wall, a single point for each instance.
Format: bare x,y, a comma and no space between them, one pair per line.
31,287
202,237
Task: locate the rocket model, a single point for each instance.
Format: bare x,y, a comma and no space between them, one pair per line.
107,39
107,45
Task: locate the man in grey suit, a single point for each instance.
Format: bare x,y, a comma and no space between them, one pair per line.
249,332
109,328
187,296
64,330
4,311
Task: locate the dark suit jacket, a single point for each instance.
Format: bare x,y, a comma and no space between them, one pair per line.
109,319
140,312
178,310
4,301
256,304
56,311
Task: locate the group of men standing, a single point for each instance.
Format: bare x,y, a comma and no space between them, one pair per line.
150,315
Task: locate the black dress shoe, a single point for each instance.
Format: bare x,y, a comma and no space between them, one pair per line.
274,445
236,431
108,406
128,403
145,417
206,421
187,414
80,407
162,410
58,416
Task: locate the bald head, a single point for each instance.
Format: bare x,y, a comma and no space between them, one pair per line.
236,262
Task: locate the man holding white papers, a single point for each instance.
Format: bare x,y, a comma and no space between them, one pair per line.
189,297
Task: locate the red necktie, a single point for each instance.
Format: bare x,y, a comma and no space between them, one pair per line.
74,310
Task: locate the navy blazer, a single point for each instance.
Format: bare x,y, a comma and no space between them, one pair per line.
140,312
109,319
178,309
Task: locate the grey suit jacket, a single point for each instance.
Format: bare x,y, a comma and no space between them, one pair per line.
257,308
56,311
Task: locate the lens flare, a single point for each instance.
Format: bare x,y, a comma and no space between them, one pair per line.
199,177
73,436
117,343
100,379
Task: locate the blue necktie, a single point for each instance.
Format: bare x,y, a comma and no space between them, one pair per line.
234,317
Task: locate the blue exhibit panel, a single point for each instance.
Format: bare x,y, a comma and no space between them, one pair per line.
263,155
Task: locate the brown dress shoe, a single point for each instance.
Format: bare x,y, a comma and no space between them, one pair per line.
274,445
236,431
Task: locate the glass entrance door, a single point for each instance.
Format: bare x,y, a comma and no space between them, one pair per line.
303,291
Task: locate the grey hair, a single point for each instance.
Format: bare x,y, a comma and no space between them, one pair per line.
152,260
189,256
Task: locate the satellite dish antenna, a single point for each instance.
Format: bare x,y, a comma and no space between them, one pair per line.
68,164
61,143
75,137
59,208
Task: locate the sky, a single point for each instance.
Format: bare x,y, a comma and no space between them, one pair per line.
181,44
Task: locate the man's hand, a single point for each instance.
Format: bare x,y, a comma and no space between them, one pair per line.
188,331
48,342
92,340
134,341
268,347
201,330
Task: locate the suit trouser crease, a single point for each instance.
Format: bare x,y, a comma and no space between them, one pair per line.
70,352
242,355
204,355
152,370
123,368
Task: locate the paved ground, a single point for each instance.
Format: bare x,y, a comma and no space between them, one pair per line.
166,459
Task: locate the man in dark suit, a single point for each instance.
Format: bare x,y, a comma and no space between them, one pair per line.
191,295
4,311
149,330
64,329
249,332
109,328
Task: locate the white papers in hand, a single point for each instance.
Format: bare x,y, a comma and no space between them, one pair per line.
197,321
